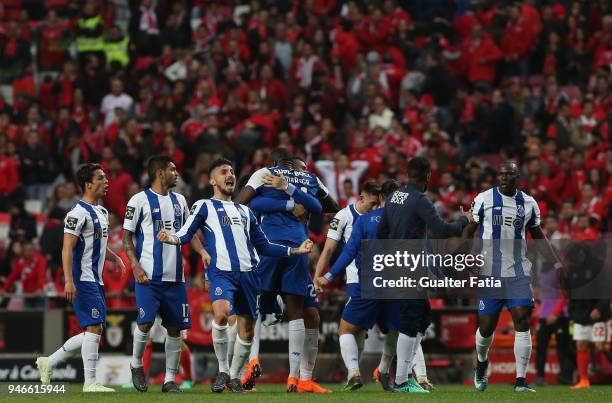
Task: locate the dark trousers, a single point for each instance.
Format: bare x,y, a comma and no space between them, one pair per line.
561,331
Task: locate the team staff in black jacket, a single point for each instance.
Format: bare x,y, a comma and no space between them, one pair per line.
408,215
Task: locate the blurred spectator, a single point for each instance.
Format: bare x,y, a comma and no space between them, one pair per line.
9,176
36,168
144,28
30,270
119,183
116,49
52,238
14,53
54,42
89,33
23,224
480,54
335,173
116,99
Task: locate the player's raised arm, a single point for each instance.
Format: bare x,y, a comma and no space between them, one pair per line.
427,212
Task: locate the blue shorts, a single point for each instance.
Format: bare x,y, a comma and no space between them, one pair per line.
240,288
90,304
168,299
515,291
285,275
365,313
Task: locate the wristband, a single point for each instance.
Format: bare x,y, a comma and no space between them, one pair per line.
290,189
558,265
328,276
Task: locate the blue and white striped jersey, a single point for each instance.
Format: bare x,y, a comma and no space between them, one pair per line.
90,224
503,222
232,236
340,229
148,212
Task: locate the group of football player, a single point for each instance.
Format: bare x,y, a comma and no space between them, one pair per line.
255,256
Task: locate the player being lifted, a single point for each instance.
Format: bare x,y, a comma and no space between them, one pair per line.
301,205
290,276
83,254
234,238
158,268
504,214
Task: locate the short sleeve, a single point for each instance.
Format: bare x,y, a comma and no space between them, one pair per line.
477,208
74,222
185,207
197,217
534,220
337,226
132,212
255,181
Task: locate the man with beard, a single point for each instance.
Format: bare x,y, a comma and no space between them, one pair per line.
234,239
158,268
504,215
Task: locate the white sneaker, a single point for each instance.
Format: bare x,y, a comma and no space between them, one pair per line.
44,369
96,387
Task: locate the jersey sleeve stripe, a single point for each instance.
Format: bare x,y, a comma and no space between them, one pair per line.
178,216
246,215
95,252
496,218
519,235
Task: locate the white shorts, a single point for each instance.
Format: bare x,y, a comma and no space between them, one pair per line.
596,333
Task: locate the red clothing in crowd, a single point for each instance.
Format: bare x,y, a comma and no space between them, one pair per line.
517,39
9,175
480,56
52,52
118,189
32,272
274,91
191,129
115,282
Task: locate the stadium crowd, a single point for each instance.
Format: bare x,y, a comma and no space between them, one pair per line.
355,87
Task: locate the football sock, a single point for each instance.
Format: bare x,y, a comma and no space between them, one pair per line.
255,343
482,346
406,347
220,343
232,331
65,351
173,354
140,342
89,353
240,356
583,357
350,353
388,352
296,346
309,356
522,352
420,369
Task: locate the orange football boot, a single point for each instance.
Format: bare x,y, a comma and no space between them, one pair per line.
310,386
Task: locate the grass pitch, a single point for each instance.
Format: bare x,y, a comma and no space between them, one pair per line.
370,393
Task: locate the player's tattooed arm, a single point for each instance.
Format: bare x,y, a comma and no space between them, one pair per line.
128,244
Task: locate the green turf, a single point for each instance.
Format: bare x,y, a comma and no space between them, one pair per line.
370,393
